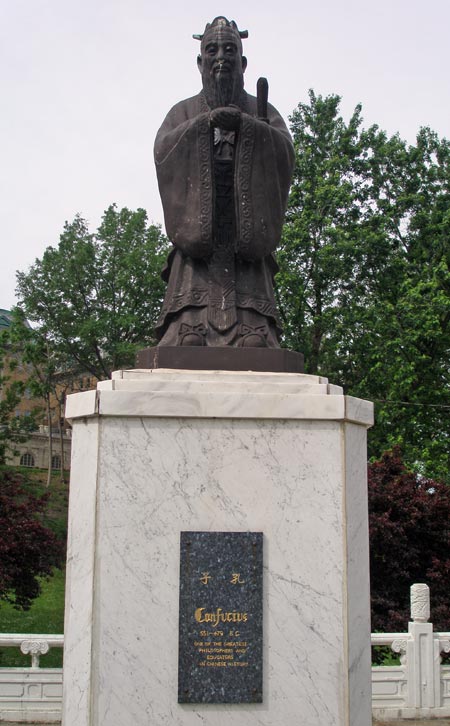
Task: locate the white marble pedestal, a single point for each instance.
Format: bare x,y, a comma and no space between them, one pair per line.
157,452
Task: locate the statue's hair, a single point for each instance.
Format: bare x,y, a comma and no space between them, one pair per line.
222,22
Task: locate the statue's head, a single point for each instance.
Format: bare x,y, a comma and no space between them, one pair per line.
221,62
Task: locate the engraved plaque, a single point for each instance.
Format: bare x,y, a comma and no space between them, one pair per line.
220,625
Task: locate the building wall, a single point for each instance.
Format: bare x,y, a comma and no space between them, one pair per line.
34,451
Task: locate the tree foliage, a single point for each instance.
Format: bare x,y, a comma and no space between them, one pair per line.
364,284
409,519
13,428
28,550
96,297
45,367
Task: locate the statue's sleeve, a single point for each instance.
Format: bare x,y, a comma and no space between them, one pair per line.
183,167
265,161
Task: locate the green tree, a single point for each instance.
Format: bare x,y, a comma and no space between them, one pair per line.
317,254
364,282
13,428
95,298
45,368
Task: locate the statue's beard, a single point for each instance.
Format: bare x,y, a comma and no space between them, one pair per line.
223,89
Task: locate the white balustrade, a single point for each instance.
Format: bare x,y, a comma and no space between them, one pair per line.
31,694
417,688
34,645
420,686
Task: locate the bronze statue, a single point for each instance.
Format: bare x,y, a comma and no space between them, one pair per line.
224,161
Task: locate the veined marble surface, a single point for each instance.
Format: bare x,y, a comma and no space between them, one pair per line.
224,394
80,574
302,482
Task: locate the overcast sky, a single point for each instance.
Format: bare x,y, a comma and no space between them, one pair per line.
85,86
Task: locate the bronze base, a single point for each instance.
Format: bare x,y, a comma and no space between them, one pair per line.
274,360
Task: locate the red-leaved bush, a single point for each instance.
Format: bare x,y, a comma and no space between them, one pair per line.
28,549
409,519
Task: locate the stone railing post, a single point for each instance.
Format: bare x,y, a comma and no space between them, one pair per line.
35,648
423,653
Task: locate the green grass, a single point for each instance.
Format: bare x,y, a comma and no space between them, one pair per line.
46,615
382,655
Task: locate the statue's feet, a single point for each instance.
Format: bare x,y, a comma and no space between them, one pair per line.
253,337
192,339
253,341
192,334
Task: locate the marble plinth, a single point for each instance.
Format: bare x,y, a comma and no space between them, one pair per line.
158,452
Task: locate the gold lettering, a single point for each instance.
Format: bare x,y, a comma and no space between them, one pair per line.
198,615
237,663
219,617
219,657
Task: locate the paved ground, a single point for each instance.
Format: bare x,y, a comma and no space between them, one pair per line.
412,722
401,722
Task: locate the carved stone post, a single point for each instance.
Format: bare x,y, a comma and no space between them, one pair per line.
423,657
420,603
35,648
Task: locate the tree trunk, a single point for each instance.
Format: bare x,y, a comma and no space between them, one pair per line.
50,443
61,442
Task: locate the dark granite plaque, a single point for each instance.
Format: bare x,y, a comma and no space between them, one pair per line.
220,626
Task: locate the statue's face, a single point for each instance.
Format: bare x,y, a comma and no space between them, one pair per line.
221,57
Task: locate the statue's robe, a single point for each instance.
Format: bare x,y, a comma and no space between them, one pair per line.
263,159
